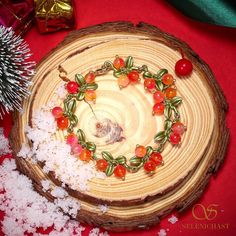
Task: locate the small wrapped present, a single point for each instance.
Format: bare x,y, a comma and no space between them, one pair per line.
18,14
54,15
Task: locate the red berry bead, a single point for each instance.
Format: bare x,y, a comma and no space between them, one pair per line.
71,139
120,171
72,87
85,155
123,81
119,63
175,138
150,84
76,149
62,122
183,67
158,109
149,166
101,165
57,112
170,93
90,77
140,151
178,128
158,96
90,95
156,157
167,79
133,76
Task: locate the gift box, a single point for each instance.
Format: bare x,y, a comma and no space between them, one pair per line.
17,14
54,15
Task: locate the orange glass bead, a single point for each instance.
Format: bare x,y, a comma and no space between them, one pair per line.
62,122
120,171
158,109
90,77
170,93
90,95
119,63
123,81
140,151
167,79
85,155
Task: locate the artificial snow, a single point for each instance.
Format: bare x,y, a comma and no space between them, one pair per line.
96,232
103,208
56,155
25,210
173,219
4,144
162,232
46,185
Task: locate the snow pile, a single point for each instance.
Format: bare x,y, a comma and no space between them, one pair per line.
56,155
4,144
25,210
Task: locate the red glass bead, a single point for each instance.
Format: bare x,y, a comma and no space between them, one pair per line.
72,87
149,166
101,165
76,149
158,109
120,171
85,155
183,67
140,151
178,128
156,157
170,93
150,84
167,79
133,76
123,81
90,77
90,95
119,63
57,112
158,96
62,122
175,138
71,139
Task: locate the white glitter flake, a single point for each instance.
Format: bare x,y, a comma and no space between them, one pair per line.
173,219
162,232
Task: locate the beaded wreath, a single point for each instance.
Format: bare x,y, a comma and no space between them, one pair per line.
166,102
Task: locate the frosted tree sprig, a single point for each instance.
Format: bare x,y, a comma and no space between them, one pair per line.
15,71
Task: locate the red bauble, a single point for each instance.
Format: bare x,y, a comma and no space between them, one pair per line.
183,67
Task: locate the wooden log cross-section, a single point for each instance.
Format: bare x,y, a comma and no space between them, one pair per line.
140,201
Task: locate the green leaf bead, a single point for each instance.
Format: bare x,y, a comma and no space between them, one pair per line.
129,62
79,79
107,156
110,170
81,136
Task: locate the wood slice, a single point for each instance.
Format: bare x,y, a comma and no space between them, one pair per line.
140,200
